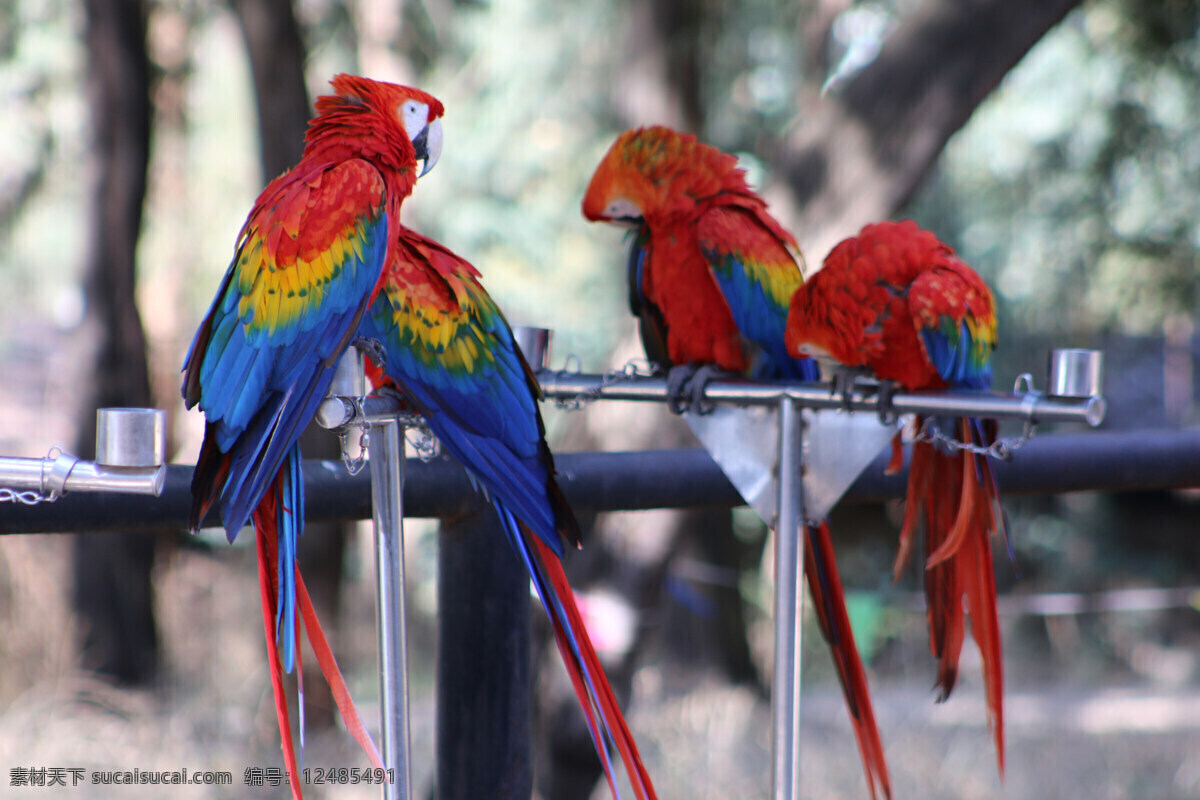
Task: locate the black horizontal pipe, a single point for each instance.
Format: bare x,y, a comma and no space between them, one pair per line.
1048,464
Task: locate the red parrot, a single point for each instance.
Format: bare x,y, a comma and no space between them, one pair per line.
710,274
307,265
898,301
439,339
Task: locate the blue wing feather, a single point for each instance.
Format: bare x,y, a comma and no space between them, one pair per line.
950,348
486,417
259,381
757,275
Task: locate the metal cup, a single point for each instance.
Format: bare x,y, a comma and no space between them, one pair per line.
131,437
534,344
1075,373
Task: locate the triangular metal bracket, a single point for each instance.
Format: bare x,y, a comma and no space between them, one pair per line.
836,447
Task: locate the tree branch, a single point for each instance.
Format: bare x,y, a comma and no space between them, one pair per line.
858,155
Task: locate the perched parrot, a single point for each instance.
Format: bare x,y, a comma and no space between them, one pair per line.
898,301
438,339
307,264
710,275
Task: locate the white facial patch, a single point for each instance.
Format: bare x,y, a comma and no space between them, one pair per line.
813,351
415,116
621,208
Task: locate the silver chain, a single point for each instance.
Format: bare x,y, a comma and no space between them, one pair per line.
29,498
354,464
634,368
1001,449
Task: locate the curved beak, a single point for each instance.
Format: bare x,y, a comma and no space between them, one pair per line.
428,146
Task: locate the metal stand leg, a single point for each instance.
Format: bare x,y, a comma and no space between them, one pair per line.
387,482
789,605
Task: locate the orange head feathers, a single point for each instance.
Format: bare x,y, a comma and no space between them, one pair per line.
655,173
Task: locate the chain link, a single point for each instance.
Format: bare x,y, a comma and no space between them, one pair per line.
634,368
354,464
29,498
1001,449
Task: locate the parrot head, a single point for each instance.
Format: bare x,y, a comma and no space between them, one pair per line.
819,330
657,173
381,119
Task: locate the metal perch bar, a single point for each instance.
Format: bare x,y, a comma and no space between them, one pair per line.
1074,374
130,454
65,473
336,412
1032,406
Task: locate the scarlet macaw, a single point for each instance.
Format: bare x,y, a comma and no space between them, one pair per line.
441,341
307,265
898,301
710,275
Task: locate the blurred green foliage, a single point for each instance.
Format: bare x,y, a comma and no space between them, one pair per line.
1073,188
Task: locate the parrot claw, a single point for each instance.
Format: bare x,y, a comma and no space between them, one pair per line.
844,380
372,349
392,393
887,390
686,385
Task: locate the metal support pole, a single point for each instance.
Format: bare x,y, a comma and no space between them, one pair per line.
387,482
789,607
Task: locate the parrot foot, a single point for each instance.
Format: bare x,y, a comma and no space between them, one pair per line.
372,349
390,391
887,390
843,382
685,388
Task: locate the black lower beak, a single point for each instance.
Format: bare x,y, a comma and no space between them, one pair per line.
421,144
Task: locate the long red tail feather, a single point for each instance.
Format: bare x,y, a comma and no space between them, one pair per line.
605,701
825,585
266,537
266,571
333,675
957,497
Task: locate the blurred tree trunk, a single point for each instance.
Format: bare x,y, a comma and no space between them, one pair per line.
859,152
660,78
113,595
277,54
